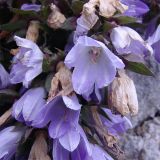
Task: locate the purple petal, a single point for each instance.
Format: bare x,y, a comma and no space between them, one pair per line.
59,153
135,8
71,102
4,77
99,154
156,49
116,124
29,105
31,7
70,140
9,140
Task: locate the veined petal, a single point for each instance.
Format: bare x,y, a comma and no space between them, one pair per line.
31,7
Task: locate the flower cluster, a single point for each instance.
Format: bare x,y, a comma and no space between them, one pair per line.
62,100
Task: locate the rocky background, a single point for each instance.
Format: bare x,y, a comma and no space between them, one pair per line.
143,141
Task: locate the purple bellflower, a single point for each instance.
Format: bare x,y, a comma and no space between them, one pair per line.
128,41
27,63
28,106
116,124
31,7
80,153
94,65
9,140
4,77
136,8
63,115
154,40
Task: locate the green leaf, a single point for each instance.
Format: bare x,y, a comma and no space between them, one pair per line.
107,26
13,26
125,19
32,14
138,68
77,6
69,24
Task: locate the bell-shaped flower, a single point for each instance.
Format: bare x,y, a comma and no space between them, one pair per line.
9,140
4,77
31,7
128,41
27,63
115,124
154,40
94,65
82,152
63,115
28,106
136,8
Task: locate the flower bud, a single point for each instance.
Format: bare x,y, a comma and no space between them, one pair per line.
109,7
33,31
56,18
122,95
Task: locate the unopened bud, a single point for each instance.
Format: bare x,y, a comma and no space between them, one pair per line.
33,31
56,18
109,7
122,95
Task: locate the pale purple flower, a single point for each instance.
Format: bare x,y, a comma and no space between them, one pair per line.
136,8
4,77
31,7
82,152
116,124
154,40
128,41
9,140
28,106
27,63
99,154
94,65
63,115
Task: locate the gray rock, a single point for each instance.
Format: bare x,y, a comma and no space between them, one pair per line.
143,141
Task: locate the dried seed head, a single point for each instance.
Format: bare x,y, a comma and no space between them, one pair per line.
33,31
56,18
122,95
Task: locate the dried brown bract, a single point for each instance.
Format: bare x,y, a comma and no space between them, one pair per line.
39,150
101,130
62,82
122,95
56,18
5,117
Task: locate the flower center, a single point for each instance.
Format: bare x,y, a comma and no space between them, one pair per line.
94,53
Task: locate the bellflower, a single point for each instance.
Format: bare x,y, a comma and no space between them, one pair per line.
136,8
63,115
154,40
26,108
116,124
27,63
128,41
4,77
94,65
9,140
81,152
31,7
